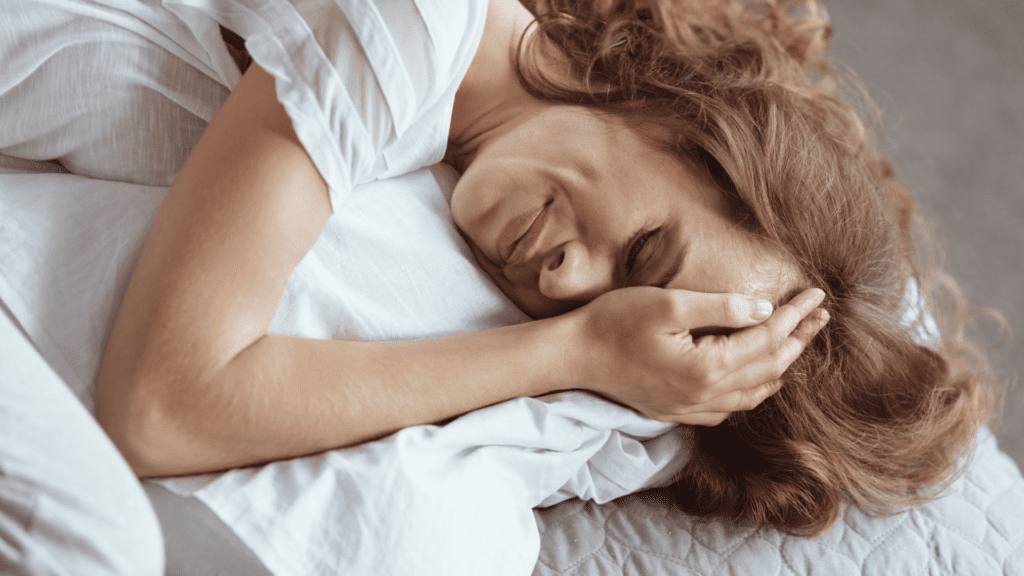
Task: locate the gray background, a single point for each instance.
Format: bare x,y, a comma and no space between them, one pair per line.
949,78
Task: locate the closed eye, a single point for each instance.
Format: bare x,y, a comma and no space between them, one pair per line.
636,247
654,257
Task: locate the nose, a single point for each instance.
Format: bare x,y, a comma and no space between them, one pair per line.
572,272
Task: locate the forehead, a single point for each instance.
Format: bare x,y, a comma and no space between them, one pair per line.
723,256
726,258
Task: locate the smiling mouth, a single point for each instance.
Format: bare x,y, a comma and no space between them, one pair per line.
512,250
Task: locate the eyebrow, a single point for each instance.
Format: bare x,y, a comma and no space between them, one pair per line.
670,267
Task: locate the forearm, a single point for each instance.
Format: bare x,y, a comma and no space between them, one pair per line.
282,396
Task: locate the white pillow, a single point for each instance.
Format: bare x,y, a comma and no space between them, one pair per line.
69,245
391,265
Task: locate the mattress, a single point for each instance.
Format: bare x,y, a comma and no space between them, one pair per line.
976,527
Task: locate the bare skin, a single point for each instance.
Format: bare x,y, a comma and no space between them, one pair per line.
192,382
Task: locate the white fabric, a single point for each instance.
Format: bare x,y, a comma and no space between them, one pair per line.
69,505
391,265
98,87
975,528
198,542
121,90
446,500
369,85
69,245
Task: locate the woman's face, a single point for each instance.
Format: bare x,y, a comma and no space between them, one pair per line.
571,204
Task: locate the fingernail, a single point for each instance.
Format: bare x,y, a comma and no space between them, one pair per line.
823,317
819,295
763,310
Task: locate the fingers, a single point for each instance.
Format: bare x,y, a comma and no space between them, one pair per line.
772,365
715,412
748,345
810,326
741,362
701,380
789,315
701,310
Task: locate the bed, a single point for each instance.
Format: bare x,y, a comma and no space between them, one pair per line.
546,486
564,484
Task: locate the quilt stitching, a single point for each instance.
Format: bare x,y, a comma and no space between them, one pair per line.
786,563
857,543
988,508
739,544
678,561
578,515
980,544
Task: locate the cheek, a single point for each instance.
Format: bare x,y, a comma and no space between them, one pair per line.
470,205
461,201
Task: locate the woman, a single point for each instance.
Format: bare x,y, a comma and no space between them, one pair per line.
645,179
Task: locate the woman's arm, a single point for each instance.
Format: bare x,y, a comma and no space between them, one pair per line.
191,381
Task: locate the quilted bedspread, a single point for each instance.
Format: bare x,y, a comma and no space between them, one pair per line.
976,527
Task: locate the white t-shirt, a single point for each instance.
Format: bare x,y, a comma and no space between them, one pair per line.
369,85
121,89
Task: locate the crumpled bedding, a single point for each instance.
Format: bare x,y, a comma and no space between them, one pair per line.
453,499
457,499
442,500
429,499
975,528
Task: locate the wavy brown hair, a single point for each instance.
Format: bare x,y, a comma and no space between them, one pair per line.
871,413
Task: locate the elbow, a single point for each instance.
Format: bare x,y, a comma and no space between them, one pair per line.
144,428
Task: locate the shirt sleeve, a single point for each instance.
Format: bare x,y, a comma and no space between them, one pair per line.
356,76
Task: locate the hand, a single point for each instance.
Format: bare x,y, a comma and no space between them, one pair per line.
637,347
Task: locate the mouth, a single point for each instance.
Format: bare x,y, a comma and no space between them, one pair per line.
519,235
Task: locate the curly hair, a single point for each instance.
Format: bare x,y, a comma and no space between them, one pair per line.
869,414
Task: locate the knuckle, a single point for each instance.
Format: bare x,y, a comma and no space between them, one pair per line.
733,308
714,371
789,351
761,334
776,370
675,307
764,392
774,340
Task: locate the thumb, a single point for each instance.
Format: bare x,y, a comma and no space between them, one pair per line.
705,310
